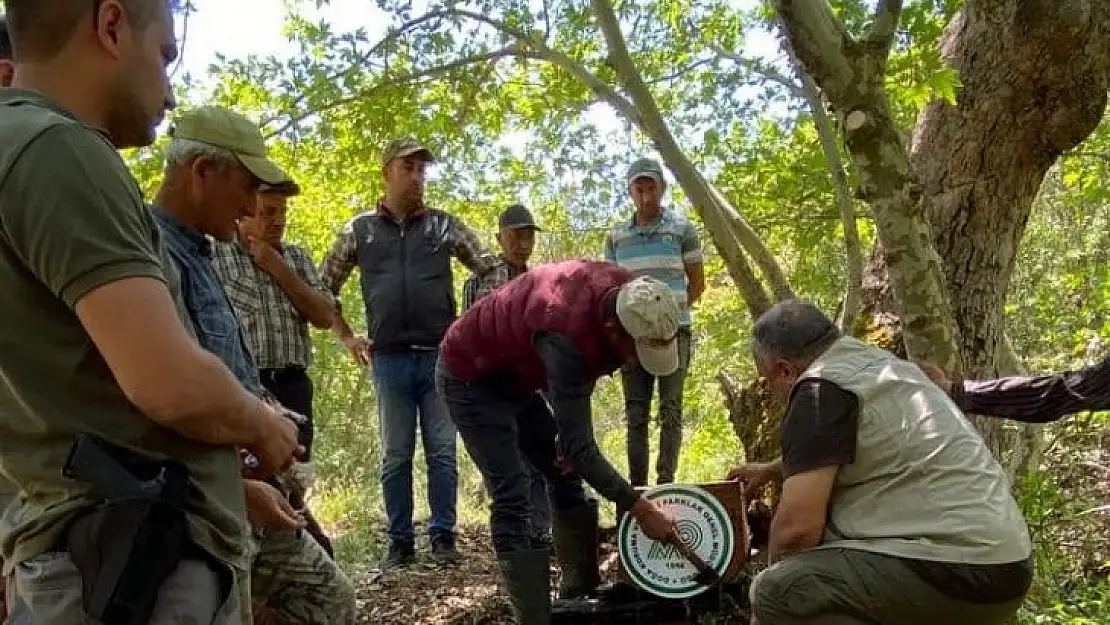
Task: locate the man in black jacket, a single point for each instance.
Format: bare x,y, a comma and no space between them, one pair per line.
403,251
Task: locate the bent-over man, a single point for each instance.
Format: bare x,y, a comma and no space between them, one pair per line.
403,250
93,341
215,163
556,329
893,510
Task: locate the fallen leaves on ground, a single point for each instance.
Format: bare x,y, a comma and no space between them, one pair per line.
467,593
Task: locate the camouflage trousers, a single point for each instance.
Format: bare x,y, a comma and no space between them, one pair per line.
296,580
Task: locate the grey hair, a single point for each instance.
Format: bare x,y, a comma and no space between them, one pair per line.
181,151
792,329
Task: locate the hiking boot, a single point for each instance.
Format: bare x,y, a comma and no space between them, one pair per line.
401,554
443,549
576,550
526,575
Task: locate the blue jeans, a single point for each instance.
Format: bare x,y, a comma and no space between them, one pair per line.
405,383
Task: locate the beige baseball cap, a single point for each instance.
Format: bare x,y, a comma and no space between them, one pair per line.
233,132
649,312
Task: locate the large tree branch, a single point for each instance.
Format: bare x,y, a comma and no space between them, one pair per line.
883,27
853,82
852,248
713,207
821,44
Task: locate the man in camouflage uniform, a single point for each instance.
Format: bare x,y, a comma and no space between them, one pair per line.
222,154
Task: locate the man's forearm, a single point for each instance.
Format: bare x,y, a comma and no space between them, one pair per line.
1037,399
785,540
210,405
340,327
572,412
310,303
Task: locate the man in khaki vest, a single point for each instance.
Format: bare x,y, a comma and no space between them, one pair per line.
893,510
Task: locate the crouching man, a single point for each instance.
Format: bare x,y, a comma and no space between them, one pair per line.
557,329
215,164
893,510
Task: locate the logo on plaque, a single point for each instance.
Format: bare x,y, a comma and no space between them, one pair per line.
658,567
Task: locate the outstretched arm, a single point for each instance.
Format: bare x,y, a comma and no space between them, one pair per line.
1032,399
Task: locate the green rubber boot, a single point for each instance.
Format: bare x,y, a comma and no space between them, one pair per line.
527,578
575,531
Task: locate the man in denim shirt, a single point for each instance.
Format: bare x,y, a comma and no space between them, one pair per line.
215,164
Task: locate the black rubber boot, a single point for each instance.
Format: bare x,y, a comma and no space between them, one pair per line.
527,579
575,532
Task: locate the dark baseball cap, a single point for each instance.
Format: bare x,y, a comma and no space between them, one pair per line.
287,188
516,217
406,146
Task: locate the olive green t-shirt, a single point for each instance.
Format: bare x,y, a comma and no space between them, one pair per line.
72,219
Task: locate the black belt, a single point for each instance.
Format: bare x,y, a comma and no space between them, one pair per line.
272,373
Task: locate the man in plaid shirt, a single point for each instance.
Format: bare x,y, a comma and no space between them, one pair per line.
403,251
276,293
517,235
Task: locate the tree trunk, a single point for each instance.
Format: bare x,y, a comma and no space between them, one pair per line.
1035,77
851,73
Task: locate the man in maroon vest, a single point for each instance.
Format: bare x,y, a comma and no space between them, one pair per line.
557,328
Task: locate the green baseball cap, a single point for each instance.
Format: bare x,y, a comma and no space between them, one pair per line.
646,168
223,128
406,146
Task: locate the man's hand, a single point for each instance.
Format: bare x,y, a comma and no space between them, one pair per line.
937,375
268,509
359,346
754,476
656,522
276,443
263,254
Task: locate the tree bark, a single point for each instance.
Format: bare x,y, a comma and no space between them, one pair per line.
1034,80
1033,88
851,74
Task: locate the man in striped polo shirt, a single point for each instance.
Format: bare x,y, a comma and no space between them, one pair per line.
660,243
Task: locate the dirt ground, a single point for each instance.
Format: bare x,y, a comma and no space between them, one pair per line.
468,593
